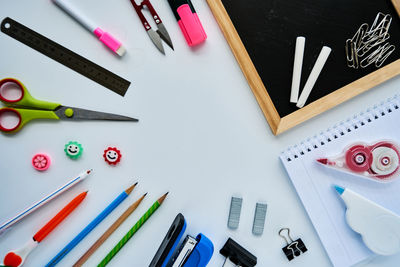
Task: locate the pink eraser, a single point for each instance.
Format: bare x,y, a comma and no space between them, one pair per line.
41,162
191,26
110,41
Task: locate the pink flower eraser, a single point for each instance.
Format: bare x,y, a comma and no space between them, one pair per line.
41,162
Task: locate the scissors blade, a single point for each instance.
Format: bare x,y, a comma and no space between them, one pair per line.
155,38
64,113
162,31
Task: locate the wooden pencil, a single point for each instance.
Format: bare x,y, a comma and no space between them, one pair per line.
78,238
132,231
108,232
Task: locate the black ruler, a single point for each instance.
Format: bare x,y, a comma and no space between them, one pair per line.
64,56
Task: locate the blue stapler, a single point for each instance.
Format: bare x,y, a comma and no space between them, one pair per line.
193,252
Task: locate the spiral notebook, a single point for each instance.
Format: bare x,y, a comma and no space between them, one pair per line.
313,181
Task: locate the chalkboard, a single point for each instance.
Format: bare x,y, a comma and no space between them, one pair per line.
262,35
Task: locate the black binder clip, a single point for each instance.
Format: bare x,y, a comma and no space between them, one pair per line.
294,248
236,255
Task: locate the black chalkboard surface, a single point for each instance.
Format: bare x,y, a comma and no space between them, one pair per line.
268,31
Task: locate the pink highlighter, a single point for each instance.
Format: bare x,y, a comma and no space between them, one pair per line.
188,21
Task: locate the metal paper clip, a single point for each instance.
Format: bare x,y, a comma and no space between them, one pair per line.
293,248
359,35
367,38
351,54
382,26
378,56
378,33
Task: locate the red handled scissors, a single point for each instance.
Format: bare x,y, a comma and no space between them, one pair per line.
14,94
161,33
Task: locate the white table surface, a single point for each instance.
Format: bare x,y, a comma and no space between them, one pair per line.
201,136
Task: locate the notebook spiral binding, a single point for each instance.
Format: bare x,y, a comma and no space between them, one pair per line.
343,128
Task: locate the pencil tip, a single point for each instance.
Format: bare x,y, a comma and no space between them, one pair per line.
89,171
130,189
145,194
136,183
87,191
161,199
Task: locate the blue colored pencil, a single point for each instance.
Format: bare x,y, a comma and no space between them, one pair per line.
90,226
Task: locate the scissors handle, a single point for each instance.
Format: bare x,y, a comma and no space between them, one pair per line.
142,18
153,12
22,116
21,97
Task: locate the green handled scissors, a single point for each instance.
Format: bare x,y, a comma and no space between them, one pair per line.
14,94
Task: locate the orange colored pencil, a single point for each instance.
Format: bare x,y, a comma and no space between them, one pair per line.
60,216
17,257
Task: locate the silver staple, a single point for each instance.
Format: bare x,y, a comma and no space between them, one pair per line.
234,212
259,218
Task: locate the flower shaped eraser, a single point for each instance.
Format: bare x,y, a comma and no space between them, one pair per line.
73,149
41,162
112,155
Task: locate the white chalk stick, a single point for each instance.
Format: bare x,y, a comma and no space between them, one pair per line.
297,66
319,64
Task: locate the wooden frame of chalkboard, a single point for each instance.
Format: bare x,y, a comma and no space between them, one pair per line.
280,124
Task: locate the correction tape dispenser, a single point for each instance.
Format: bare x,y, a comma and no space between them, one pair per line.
379,161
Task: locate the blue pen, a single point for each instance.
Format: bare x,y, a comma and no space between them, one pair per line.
90,227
